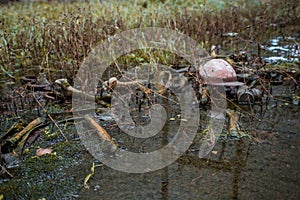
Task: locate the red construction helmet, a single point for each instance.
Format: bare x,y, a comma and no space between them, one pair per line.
219,72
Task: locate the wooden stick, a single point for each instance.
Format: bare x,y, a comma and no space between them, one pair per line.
32,125
5,170
66,86
100,130
49,116
233,120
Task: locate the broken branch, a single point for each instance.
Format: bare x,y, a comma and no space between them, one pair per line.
31,126
100,130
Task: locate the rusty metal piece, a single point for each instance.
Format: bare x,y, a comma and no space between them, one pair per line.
248,95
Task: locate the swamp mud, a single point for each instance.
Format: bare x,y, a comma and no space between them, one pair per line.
257,152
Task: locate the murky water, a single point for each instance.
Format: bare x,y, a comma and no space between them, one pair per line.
235,170
282,49
278,49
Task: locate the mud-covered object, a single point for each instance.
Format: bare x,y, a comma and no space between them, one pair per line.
248,95
219,72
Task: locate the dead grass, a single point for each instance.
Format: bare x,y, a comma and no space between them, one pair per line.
57,36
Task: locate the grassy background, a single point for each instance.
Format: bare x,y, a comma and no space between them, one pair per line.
58,36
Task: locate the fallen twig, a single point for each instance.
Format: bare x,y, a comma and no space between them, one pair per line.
100,130
87,178
233,120
5,171
49,116
32,125
67,87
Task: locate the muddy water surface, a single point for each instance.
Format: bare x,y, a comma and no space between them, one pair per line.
235,170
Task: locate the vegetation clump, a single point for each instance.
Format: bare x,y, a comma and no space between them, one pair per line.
58,36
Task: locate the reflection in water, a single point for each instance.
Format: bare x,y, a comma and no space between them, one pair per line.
164,183
234,170
164,175
235,164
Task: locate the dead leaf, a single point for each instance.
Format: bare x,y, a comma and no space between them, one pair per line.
41,151
214,152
